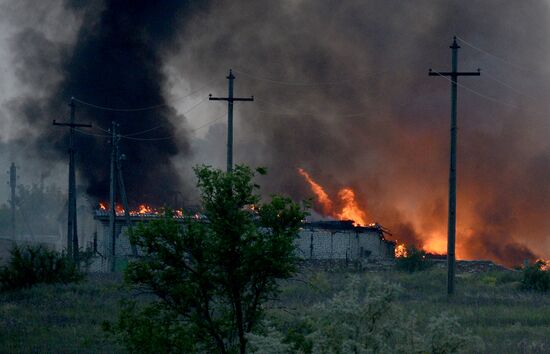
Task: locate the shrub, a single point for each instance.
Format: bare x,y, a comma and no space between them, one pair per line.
151,329
413,260
359,320
31,265
535,278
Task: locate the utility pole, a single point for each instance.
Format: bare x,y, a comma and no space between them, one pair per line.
72,234
13,182
230,99
112,198
123,197
451,231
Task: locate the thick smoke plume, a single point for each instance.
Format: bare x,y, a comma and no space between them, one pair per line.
342,91
115,60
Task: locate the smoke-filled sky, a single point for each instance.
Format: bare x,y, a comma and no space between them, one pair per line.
342,90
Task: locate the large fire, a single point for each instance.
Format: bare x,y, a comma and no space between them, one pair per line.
349,210
322,196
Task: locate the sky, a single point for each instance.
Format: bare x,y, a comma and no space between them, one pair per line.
341,90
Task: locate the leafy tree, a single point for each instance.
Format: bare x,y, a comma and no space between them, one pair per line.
212,276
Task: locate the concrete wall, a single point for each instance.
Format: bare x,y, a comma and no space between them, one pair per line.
352,244
316,241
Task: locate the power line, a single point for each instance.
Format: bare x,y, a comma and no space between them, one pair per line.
478,93
91,134
517,66
162,125
298,83
137,109
497,80
172,136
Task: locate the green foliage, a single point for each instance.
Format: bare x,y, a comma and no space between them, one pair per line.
535,278
212,276
414,260
31,265
60,318
151,329
359,320
272,342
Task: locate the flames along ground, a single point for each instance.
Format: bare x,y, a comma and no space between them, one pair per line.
351,210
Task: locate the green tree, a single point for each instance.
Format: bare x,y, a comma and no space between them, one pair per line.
212,276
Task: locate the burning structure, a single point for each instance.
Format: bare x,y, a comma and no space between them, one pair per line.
320,241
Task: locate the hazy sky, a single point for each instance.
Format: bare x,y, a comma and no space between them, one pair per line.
341,90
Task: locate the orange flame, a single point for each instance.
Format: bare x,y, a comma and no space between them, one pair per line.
350,208
144,209
119,209
322,196
400,251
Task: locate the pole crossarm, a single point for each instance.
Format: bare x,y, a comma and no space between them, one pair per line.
450,73
251,98
72,125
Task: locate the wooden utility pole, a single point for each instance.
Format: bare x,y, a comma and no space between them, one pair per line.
112,195
451,231
230,99
123,197
72,234
13,182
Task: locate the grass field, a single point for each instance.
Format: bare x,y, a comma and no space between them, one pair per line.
67,319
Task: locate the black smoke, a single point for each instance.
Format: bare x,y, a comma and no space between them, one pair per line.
116,61
342,90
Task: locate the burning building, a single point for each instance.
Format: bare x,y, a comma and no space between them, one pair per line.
319,241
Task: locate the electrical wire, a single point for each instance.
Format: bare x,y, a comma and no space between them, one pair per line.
476,92
138,109
173,135
297,83
497,80
517,66
91,134
162,125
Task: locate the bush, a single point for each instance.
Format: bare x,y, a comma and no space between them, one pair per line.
151,329
359,320
535,278
413,260
31,265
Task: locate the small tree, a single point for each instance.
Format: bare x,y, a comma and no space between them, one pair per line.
212,275
535,277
